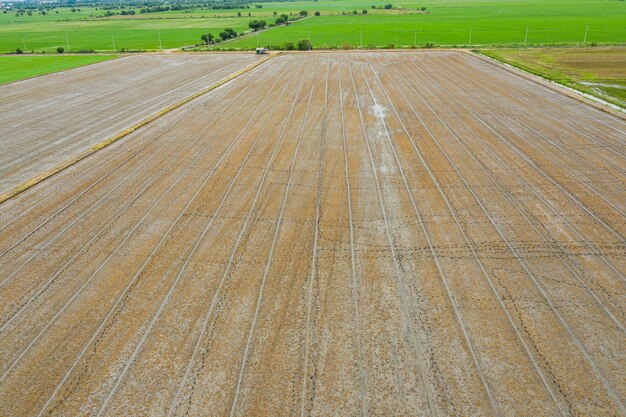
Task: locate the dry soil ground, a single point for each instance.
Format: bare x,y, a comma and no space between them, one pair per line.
43,120
352,234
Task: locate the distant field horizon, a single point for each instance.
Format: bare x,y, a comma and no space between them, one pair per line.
443,23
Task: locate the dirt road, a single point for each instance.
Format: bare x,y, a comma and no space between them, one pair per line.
352,234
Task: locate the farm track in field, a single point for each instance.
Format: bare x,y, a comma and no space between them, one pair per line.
362,233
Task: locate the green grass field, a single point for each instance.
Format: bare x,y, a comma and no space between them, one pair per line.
13,68
462,23
101,35
597,71
449,22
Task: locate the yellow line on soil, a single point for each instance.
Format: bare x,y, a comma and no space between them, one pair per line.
101,145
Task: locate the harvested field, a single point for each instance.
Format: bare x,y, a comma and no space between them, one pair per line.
351,234
45,120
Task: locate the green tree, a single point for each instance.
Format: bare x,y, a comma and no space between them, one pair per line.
60,49
303,13
317,13
207,38
388,6
304,45
256,25
364,11
228,34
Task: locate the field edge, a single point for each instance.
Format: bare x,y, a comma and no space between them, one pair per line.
106,57
594,100
20,188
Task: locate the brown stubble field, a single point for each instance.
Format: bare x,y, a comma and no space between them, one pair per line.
352,234
45,120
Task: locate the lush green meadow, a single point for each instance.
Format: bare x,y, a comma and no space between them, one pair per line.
13,68
447,22
111,34
462,23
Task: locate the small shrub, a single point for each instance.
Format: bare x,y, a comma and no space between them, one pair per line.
317,13
429,45
228,33
19,51
256,25
304,45
345,46
288,46
60,49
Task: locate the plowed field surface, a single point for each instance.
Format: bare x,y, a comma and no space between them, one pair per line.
47,119
329,234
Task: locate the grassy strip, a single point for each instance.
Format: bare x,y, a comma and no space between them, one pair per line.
20,188
587,70
14,68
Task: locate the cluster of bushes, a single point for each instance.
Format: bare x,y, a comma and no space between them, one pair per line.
282,19
389,6
386,6
301,45
256,25
122,13
228,33
30,12
209,6
353,12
